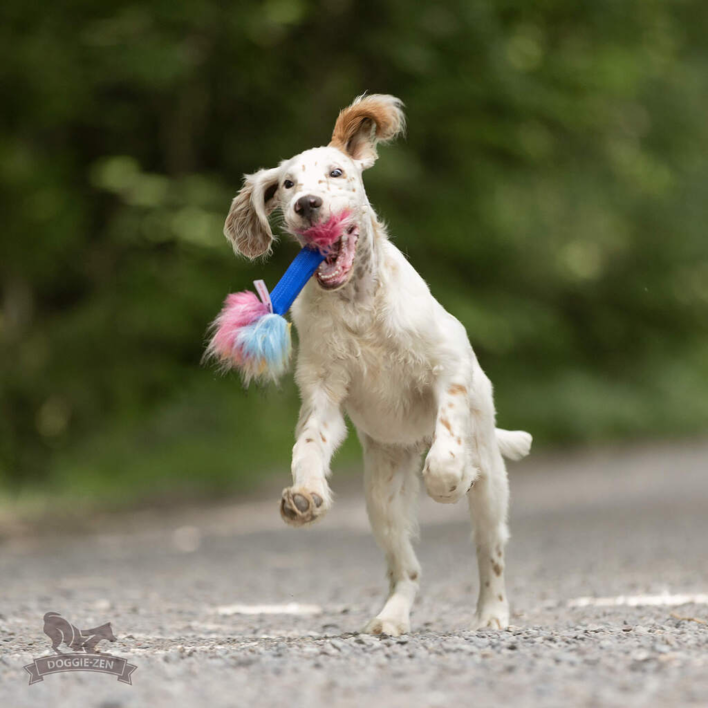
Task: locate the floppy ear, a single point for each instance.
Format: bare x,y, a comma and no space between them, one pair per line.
369,120
247,224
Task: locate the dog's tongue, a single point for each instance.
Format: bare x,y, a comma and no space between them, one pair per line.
326,233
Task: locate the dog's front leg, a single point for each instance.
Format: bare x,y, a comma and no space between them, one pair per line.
320,431
451,467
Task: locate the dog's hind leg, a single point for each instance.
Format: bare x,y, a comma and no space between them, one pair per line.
391,484
488,501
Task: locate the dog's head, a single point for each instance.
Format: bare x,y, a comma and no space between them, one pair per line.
316,185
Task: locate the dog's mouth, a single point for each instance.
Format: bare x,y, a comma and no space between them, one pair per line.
336,269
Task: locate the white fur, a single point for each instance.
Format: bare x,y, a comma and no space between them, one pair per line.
384,352
514,444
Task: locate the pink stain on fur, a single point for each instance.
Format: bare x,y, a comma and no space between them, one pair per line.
240,310
326,233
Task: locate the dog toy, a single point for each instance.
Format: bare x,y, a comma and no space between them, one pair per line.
251,333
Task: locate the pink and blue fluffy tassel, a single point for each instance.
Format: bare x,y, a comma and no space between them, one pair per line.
251,333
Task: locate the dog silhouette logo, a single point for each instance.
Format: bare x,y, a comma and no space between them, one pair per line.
61,632
84,654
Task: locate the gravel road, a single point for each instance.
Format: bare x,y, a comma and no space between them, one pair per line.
225,606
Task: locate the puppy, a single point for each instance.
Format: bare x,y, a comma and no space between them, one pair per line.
375,345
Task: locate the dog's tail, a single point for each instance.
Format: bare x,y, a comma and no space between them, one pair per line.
514,444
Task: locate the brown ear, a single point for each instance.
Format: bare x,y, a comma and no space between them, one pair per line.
247,224
369,120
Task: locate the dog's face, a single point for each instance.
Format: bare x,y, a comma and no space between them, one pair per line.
315,185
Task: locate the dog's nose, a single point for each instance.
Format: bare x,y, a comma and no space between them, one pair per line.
306,206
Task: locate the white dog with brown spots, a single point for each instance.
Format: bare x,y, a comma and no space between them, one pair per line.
375,345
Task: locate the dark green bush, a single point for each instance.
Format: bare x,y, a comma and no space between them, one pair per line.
553,190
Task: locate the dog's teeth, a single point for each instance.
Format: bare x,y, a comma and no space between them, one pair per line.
332,269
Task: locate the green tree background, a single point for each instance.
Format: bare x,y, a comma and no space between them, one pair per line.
552,189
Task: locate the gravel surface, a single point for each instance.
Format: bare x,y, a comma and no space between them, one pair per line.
629,523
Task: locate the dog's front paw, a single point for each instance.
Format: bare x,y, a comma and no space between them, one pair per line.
448,473
300,507
393,627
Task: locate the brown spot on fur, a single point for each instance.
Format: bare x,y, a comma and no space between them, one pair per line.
459,441
497,568
451,405
499,551
324,439
452,453
446,423
501,598
303,168
486,585
413,576
456,389
307,440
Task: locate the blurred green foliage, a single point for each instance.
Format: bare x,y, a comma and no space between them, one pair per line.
553,190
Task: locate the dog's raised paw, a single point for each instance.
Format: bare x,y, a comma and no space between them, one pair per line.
448,475
390,627
300,507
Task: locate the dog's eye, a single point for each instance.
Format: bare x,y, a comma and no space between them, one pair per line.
288,184
336,172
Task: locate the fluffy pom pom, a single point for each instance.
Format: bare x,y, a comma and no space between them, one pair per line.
323,235
249,338
239,311
265,348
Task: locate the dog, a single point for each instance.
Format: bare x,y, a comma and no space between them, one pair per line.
376,346
60,631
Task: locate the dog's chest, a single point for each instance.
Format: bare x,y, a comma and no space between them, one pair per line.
389,391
